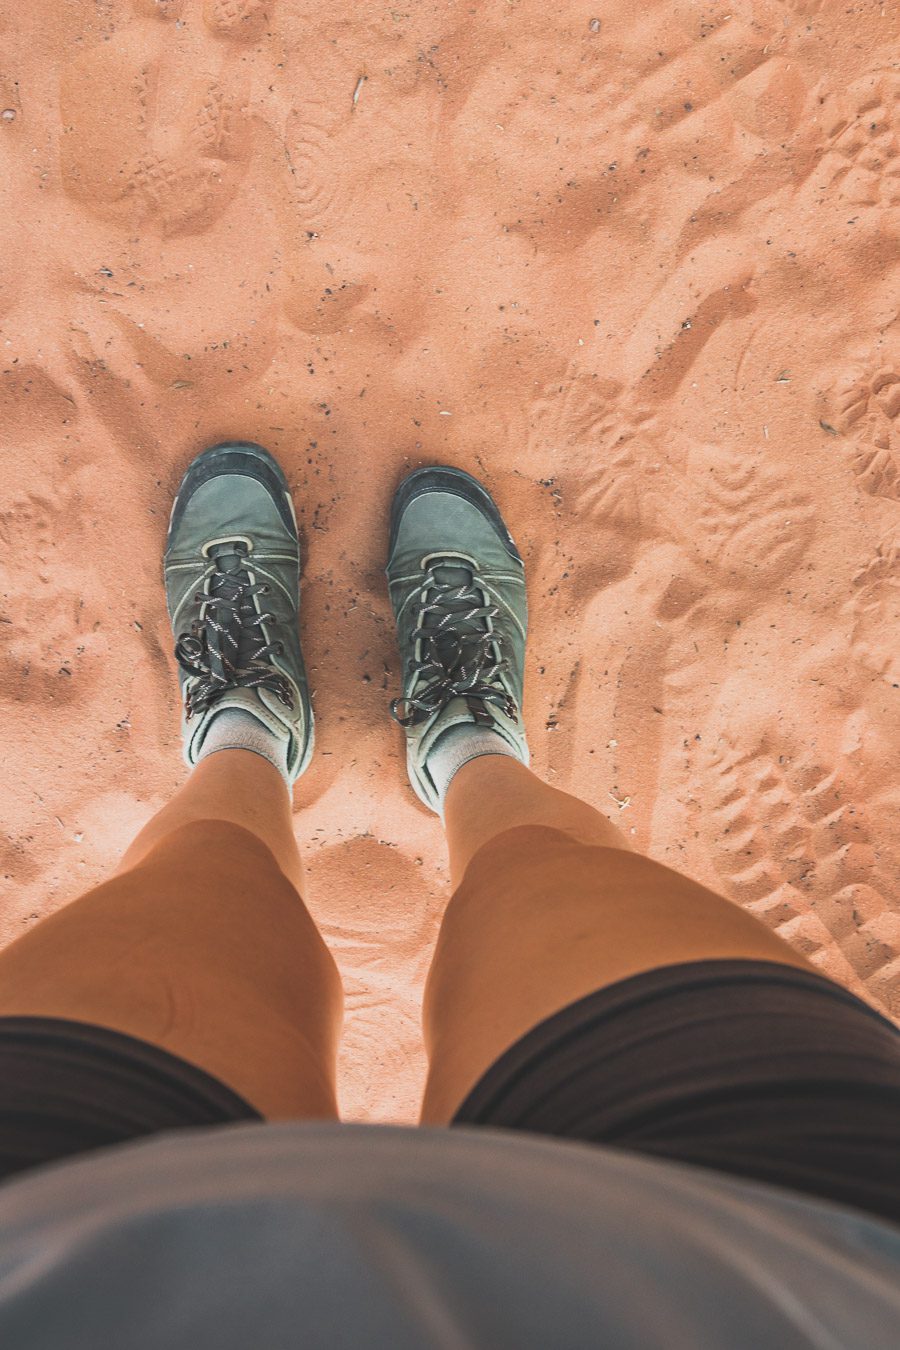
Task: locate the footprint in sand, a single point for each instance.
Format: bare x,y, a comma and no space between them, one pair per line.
176,153
28,526
792,842
590,424
316,142
863,404
160,9
741,517
864,141
32,403
773,817
52,641
586,432
634,122
722,528
186,190
875,614
769,100
50,654
168,167
553,161
581,419
239,20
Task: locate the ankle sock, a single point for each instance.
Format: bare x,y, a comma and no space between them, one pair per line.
235,729
456,746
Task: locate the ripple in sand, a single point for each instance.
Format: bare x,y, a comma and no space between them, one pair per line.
382,1059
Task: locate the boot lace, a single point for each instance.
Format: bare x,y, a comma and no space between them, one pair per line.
226,647
461,653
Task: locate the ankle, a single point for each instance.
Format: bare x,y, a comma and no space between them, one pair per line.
458,746
238,729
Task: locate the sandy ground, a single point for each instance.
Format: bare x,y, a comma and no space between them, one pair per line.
636,264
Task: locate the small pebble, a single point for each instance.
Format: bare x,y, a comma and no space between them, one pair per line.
594,25
8,114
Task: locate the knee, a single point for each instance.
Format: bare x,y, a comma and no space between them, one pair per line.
532,863
211,847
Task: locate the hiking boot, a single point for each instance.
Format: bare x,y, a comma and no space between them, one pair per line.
457,587
232,573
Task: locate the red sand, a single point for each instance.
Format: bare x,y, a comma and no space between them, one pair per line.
635,265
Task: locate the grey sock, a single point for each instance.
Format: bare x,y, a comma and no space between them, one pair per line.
234,729
456,747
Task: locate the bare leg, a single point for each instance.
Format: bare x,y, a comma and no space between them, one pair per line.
550,904
201,944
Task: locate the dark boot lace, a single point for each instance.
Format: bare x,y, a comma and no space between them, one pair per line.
226,648
461,655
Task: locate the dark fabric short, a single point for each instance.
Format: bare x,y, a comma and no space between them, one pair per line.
753,1068
750,1067
68,1087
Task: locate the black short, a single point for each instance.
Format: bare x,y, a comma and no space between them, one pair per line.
753,1068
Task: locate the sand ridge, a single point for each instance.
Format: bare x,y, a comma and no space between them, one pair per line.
635,265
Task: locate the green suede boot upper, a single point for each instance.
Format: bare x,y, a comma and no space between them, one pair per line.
457,587
232,573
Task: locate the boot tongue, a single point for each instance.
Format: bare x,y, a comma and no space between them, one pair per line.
231,567
451,645
227,557
453,574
